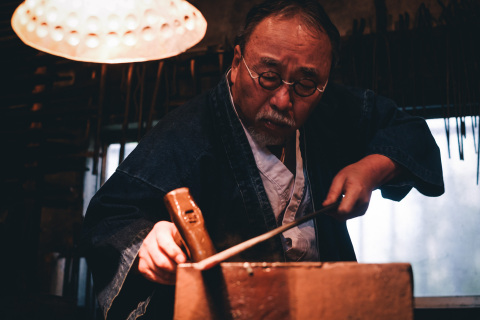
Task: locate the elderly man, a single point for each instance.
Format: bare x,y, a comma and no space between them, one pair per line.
272,142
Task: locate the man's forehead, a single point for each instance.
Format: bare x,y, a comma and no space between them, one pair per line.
294,23
286,43
288,33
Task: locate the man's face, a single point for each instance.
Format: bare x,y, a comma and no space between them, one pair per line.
286,47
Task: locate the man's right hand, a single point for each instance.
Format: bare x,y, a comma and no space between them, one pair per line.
159,254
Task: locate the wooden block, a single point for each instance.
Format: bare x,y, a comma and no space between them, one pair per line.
341,290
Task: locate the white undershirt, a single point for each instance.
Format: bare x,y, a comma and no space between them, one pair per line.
289,197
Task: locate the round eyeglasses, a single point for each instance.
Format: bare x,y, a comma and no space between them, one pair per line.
271,80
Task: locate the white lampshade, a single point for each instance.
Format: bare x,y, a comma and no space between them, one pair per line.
109,31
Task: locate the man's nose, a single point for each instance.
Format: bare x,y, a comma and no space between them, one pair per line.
282,97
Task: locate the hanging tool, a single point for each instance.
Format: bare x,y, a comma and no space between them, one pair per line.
123,141
101,102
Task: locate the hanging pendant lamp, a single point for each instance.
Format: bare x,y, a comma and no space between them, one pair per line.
109,31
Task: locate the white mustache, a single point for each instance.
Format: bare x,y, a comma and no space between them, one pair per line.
275,117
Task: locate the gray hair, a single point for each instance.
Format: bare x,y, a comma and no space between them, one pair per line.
309,11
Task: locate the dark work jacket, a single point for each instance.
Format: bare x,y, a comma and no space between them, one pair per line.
202,145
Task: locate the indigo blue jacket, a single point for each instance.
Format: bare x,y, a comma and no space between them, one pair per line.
202,145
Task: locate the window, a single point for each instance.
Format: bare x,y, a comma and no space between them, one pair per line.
113,153
440,236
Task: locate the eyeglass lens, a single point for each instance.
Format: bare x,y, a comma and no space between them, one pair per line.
271,80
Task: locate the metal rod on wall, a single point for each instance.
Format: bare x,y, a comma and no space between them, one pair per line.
125,115
101,101
155,95
140,104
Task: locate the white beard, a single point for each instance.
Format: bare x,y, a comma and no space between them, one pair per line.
265,139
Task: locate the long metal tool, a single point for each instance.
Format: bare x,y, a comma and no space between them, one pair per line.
215,259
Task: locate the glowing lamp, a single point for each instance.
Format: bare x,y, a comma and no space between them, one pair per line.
109,31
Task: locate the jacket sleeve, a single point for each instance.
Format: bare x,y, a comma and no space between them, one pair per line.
125,209
408,141
355,123
119,217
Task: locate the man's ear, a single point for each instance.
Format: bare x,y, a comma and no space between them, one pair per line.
237,57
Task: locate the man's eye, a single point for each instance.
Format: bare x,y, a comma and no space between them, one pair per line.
306,84
270,76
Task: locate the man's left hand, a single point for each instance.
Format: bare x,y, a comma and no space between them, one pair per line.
356,183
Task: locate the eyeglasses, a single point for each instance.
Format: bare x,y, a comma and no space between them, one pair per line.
271,80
